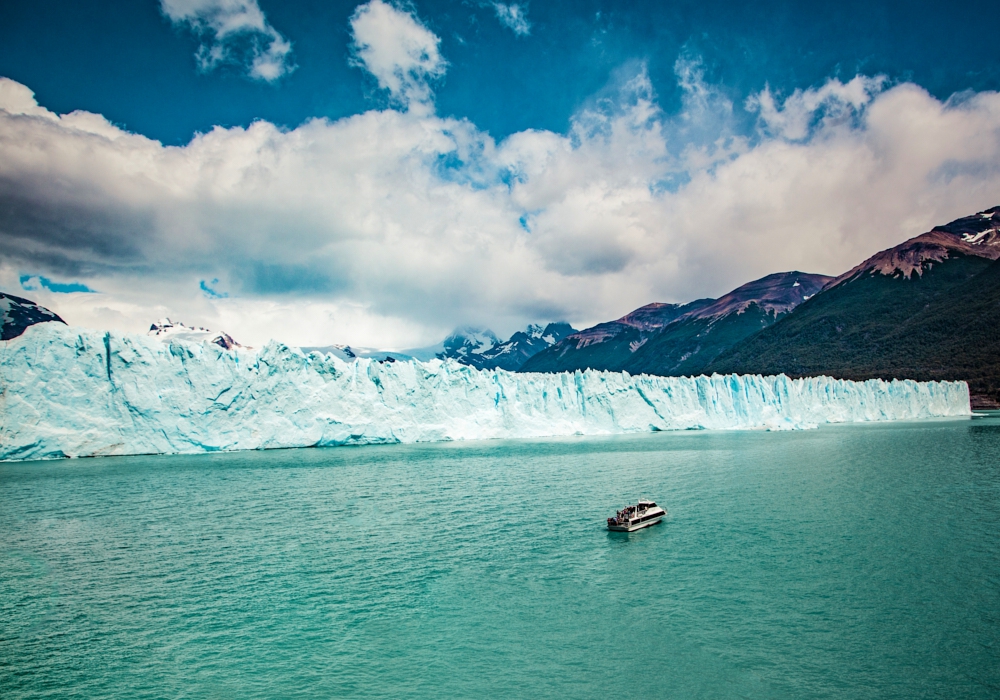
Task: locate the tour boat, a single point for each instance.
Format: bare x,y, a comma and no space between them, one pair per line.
632,518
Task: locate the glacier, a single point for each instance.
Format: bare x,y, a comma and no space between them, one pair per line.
73,392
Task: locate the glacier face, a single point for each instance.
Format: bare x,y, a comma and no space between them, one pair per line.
72,392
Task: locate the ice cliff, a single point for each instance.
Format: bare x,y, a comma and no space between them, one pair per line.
72,392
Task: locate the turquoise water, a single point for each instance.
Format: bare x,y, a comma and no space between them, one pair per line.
845,562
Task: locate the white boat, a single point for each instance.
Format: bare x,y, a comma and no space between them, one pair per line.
632,518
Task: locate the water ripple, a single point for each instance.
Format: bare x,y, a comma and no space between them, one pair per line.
851,561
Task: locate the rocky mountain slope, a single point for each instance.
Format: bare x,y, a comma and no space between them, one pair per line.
609,346
689,344
16,314
674,339
928,308
476,347
522,346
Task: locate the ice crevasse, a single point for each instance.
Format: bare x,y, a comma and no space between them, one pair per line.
72,392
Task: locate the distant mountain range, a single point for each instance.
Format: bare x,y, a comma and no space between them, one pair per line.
510,354
672,339
608,345
349,353
928,308
477,347
464,344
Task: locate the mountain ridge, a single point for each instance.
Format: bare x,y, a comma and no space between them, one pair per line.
470,345
670,338
18,313
977,235
603,346
687,345
928,308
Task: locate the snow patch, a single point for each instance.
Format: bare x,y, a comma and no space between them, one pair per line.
977,238
167,330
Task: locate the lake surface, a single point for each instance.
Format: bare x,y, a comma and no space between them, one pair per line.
858,561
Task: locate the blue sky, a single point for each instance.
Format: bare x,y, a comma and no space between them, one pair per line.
126,60
377,173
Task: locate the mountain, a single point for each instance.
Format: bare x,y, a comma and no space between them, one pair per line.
350,353
674,340
609,346
167,330
467,345
523,345
689,343
16,314
478,347
928,308
482,349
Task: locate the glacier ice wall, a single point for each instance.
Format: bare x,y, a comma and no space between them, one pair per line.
74,392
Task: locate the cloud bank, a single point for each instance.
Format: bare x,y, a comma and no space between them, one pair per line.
235,32
391,227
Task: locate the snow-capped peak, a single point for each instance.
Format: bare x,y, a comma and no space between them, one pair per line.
167,330
469,341
167,327
481,348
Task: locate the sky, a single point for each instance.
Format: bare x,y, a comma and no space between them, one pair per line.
381,173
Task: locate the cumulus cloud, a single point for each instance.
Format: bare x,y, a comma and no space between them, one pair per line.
390,227
802,112
514,17
398,51
236,32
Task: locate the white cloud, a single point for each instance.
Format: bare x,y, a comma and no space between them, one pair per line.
388,228
805,110
514,17
132,304
19,99
398,51
234,31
